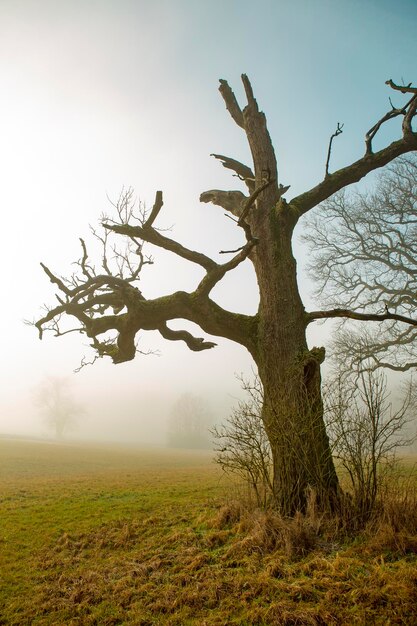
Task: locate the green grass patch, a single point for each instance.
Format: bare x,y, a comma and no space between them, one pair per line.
111,535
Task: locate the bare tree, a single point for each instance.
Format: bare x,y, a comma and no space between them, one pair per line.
242,446
366,431
110,309
364,257
189,423
54,398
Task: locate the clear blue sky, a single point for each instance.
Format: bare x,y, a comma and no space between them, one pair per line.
101,94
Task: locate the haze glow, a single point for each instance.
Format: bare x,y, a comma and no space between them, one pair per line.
101,95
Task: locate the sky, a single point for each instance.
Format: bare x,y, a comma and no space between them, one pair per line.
98,95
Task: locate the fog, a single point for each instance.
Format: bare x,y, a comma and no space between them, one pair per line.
118,408
104,95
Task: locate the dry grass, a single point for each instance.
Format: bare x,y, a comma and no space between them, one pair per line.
160,542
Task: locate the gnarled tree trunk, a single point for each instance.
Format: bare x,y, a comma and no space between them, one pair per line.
290,373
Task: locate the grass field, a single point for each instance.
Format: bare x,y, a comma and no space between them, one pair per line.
105,536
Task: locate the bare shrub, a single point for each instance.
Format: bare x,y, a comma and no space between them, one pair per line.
365,433
242,447
393,526
398,501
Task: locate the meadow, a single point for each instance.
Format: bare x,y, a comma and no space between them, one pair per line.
102,535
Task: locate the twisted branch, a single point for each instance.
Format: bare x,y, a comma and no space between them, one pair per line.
371,161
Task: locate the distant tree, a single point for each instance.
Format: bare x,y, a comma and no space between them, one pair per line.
54,398
364,257
189,423
109,307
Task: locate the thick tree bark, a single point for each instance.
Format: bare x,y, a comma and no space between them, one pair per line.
290,373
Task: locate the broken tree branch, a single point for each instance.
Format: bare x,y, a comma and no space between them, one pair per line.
403,88
370,162
338,131
232,201
154,237
231,102
196,344
243,172
249,93
157,206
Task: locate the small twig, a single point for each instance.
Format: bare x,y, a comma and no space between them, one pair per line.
232,251
59,333
84,363
338,131
250,201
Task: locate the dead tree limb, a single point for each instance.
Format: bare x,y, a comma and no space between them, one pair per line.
338,131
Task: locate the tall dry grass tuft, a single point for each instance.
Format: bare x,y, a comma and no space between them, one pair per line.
265,531
229,514
393,525
392,528
398,502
